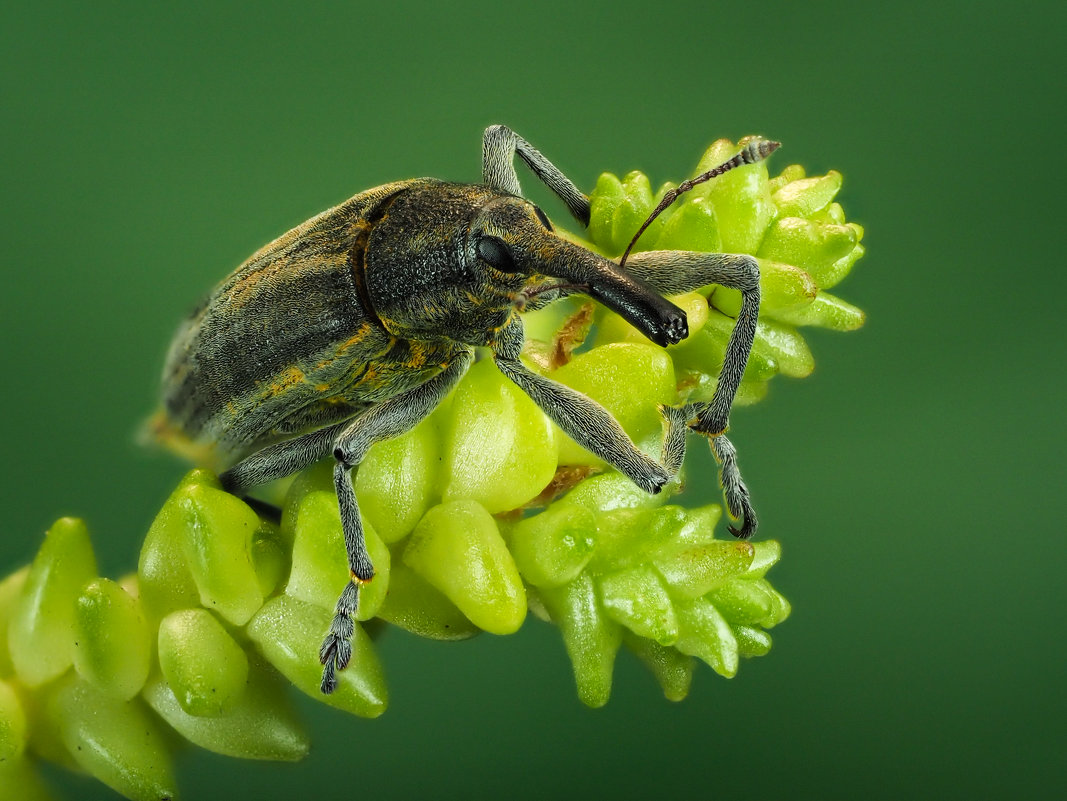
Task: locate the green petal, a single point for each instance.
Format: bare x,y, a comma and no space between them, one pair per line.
826,311
10,590
706,635
163,574
693,572
806,196
395,483
813,247
605,374
12,724
551,548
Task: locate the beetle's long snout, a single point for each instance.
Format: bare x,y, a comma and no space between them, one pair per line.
644,308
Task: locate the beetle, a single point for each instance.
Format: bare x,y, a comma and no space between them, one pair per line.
352,327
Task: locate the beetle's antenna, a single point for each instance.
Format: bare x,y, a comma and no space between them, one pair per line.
756,150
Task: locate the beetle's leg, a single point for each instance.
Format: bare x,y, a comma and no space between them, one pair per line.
676,271
499,146
282,459
582,419
388,419
673,272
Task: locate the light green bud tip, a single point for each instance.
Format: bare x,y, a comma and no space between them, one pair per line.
481,512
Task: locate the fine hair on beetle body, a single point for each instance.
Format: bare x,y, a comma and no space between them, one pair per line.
351,328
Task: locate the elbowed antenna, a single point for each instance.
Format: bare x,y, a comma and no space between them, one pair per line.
756,150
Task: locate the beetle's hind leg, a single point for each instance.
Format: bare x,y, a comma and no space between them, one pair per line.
388,419
673,272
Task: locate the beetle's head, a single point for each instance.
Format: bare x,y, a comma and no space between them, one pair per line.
513,237
457,261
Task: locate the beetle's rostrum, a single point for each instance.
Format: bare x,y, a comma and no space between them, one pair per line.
351,328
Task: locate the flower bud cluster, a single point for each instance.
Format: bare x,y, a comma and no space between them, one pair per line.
482,512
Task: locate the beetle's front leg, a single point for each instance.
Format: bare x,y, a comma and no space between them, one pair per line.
499,146
583,420
673,272
388,419
676,271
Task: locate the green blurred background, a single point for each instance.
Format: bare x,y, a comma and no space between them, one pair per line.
912,479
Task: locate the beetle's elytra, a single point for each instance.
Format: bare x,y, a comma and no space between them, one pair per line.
352,327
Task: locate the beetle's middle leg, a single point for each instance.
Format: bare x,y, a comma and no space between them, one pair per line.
673,272
386,420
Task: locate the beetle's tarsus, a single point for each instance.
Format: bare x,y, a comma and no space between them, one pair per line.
735,492
336,650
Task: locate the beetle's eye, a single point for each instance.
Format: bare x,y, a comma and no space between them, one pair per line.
495,252
543,218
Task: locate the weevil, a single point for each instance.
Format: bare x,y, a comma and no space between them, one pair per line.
352,327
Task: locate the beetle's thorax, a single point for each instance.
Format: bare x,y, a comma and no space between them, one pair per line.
415,261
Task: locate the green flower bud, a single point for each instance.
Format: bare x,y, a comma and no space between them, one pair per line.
458,549
813,247
218,549
826,311
632,211
10,590
416,606
41,634
743,601
694,225
260,723
671,668
118,742
705,634
203,665
500,449
752,641
591,638
289,632
604,203
786,346
695,571
320,561
552,548
112,642
806,196
163,574
12,724
396,482
766,554
637,599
